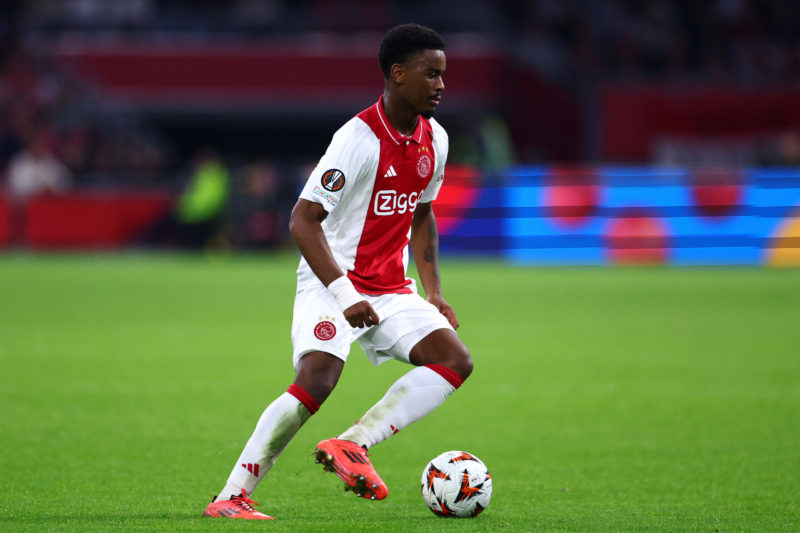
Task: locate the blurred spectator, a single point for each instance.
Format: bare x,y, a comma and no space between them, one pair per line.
498,150
205,196
789,149
576,41
782,150
255,208
91,142
200,209
36,170
483,142
91,13
567,40
576,45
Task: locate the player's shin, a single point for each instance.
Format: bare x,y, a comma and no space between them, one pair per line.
277,426
411,397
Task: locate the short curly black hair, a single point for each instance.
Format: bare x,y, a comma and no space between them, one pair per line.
406,39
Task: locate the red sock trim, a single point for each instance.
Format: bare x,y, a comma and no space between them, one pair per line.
452,378
303,397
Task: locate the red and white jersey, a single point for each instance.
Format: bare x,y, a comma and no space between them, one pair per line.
370,181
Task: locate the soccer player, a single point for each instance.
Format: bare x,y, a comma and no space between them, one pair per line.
367,200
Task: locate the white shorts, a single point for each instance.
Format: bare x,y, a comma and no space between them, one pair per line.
319,325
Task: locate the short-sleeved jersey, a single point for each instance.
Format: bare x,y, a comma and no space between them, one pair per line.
370,181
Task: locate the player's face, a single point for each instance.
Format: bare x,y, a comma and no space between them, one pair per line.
423,81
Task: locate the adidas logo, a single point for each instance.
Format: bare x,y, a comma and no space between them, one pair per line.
390,173
252,468
353,457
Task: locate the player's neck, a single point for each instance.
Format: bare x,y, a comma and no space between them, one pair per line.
400,114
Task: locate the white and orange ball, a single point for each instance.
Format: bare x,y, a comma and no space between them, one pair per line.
456,484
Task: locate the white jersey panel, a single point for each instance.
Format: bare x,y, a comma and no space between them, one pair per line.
440,148
354,151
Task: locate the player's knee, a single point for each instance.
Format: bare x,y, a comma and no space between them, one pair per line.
443,347
463,363
459,361
318,374
322,388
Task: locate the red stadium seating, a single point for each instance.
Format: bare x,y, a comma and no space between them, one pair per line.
91,219
637,115
5,222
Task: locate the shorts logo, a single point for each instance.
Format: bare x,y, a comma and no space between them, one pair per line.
325,330
424,166
333,180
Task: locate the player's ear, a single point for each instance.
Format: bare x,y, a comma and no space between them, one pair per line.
398,73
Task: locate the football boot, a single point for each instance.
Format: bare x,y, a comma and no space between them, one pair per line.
349,461
237,507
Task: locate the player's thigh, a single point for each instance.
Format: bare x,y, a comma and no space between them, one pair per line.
408,320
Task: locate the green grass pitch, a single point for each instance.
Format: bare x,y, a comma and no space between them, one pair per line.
602,399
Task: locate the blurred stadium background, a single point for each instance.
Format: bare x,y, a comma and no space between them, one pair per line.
588,132
582,132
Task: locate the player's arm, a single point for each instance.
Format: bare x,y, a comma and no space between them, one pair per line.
305,225
425,246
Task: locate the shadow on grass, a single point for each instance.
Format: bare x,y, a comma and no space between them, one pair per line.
97,517
414,523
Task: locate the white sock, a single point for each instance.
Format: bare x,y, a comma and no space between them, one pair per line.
411,397
277,426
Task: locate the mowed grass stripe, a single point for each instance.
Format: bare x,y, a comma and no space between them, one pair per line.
602,399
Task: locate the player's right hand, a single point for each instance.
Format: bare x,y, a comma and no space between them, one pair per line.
361,315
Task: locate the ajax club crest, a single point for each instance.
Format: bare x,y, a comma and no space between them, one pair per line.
424,164
325,330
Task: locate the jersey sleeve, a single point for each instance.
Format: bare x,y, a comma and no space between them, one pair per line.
440,147
346,162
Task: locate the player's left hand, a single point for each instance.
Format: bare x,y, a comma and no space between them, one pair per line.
445,308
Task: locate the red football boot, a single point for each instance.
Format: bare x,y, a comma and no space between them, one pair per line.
236,507
349,461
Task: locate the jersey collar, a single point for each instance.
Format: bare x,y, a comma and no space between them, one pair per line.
393,133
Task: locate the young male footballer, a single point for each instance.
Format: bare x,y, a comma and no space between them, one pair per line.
367,200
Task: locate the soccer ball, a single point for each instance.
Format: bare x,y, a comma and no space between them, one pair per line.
456,484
